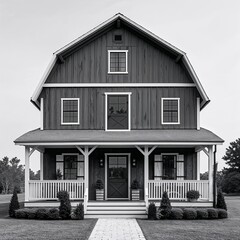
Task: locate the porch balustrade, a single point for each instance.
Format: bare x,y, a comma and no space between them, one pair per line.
48,189
176,189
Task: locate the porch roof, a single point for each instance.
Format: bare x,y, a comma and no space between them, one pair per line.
133,137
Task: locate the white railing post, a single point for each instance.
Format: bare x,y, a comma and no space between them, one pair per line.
85,200
27,154
210,172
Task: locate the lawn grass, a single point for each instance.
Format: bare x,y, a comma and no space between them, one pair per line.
221,229
16,229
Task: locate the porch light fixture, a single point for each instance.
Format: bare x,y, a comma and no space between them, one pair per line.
101,163
134,162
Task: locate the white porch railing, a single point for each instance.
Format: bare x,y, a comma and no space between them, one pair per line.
48,189
176,189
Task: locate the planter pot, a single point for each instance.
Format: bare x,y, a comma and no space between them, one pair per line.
135,194
192,199
99,194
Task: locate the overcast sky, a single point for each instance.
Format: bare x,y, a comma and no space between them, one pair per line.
30,31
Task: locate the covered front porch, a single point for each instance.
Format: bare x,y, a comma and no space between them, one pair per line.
157,162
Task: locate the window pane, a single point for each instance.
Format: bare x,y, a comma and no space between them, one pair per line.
118,62
70,167
170,111
70,111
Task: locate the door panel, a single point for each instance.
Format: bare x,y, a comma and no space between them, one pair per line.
117,174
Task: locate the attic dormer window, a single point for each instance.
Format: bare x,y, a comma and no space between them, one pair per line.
117,61
118,38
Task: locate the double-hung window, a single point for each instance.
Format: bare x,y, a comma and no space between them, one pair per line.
170,111
69,111
117,115
117,61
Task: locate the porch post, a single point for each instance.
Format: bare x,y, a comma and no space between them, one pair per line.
27,154
41,166
146,154
86,158
210,172
198,165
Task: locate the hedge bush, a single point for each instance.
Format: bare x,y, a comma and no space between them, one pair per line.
189,213
202,213
20,213
176,214
78,213
222,213
65,205
41,214
53,214
212,213
152,211
31,213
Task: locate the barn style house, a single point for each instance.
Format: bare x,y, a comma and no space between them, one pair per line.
120,106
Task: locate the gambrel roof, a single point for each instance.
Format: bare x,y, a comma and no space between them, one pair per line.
177,53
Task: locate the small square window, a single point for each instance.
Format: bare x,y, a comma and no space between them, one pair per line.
170,111
117,61
117,38
69,111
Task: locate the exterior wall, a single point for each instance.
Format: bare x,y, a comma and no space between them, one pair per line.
190,161
145,107
146,62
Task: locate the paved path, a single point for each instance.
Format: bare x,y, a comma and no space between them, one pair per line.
117,229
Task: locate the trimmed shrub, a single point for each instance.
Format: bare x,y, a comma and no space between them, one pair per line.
65,205
41,214
14,204
202,213
78,213
189,213
220,200
222,213
135,184
165,207
152,211
176,214
212,213
53,214
99,184
31,213
20,213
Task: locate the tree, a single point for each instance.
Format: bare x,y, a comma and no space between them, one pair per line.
220,200
232,156
231,181
165,206
219,177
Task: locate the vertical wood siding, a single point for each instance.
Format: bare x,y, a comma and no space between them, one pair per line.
146,63
145,107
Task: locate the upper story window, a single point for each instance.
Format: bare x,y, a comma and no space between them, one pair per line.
69,111
117,61
170,111
117,115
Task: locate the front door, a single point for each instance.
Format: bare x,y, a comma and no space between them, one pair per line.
117,176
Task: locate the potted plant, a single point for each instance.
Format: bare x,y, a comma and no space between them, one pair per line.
99,190
59,174
193,195
135,190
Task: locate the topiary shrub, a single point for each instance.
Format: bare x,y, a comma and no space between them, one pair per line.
189,213
65,205
220,200
14,204
135,184
152,211
176,214
41,214
20,213
212,213
53,214
99,184
78,213
202,213
222,213
165,207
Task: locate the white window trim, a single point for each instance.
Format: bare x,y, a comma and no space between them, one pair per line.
69,123
109,52
173,123
129,110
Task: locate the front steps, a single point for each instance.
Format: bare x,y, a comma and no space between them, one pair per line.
116,209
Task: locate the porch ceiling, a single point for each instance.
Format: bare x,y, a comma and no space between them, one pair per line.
133,137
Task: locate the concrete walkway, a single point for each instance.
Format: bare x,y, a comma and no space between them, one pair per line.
117,229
